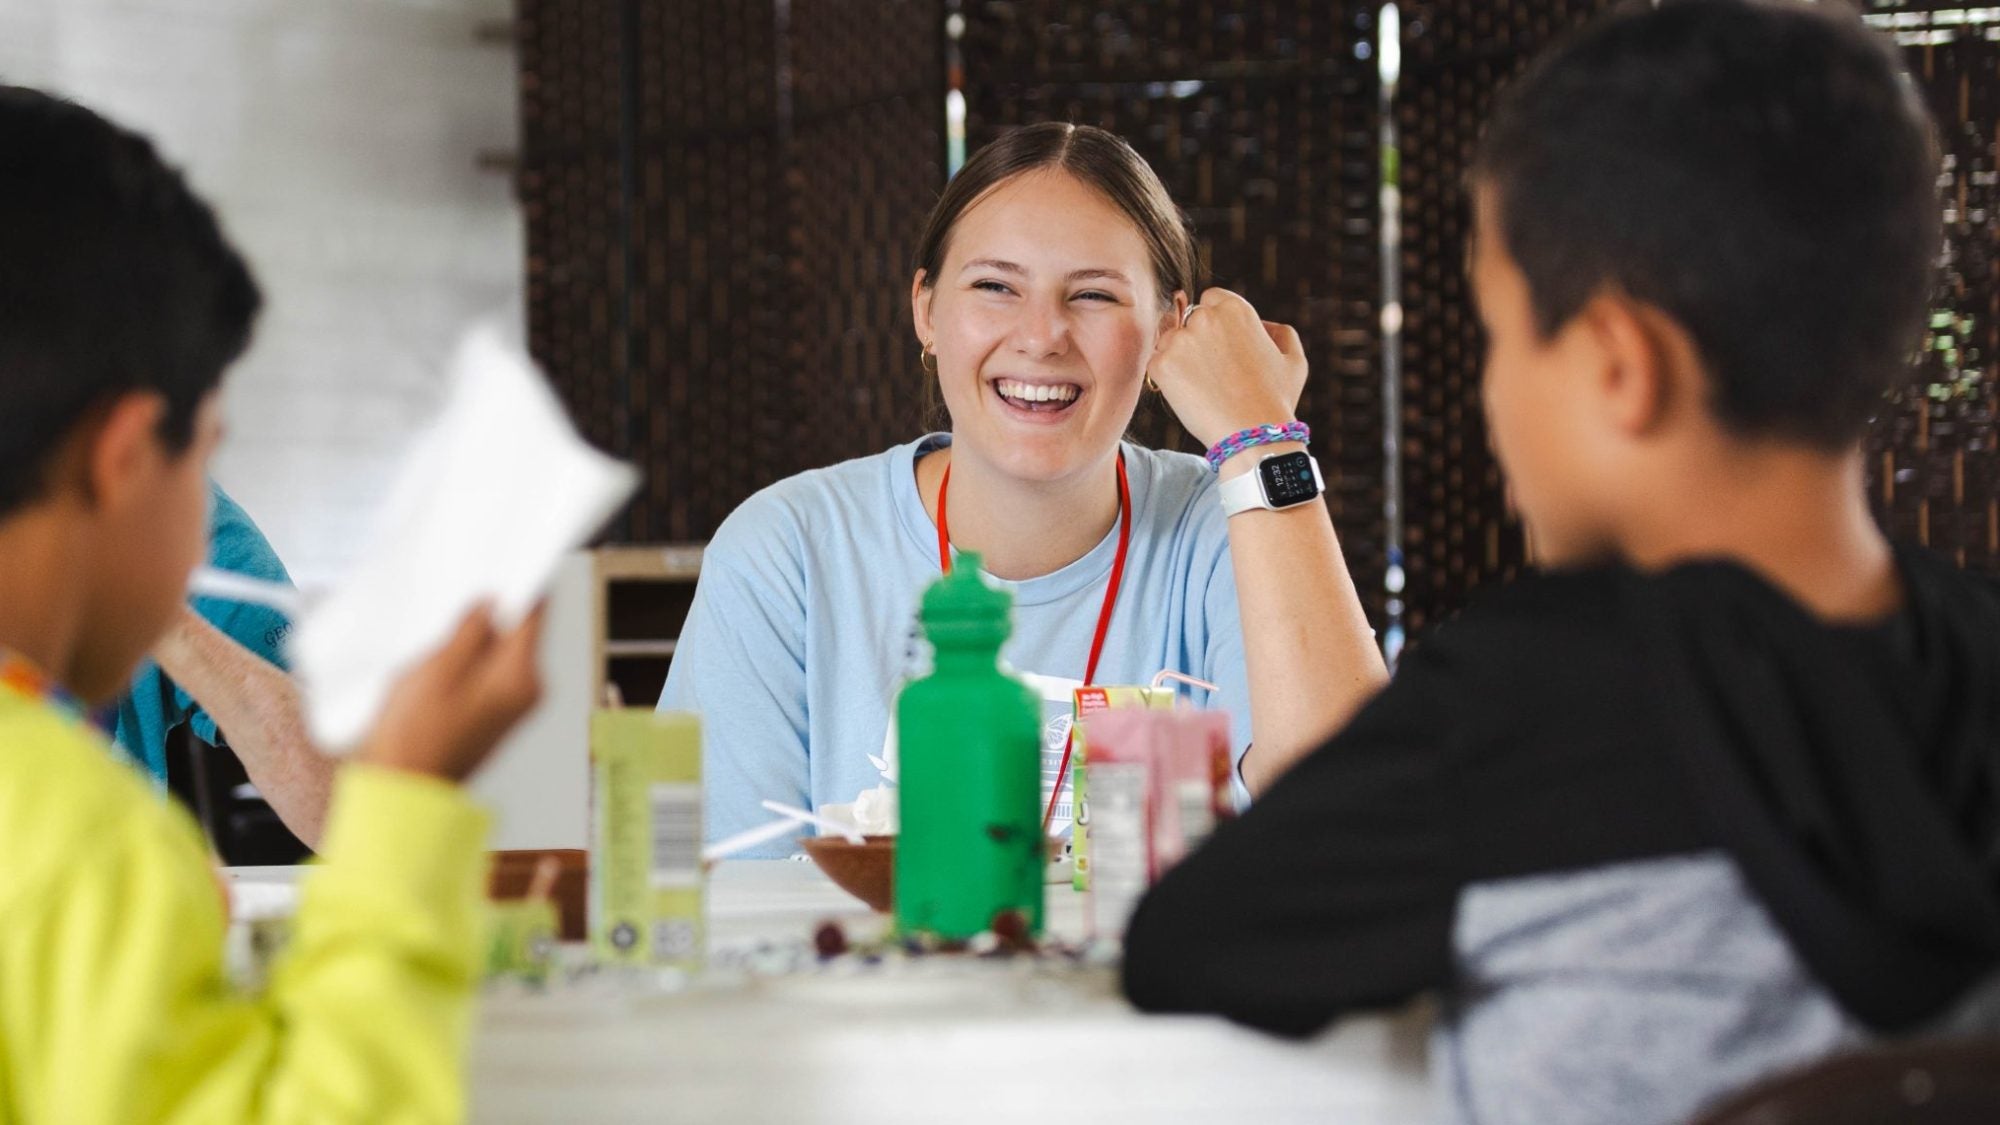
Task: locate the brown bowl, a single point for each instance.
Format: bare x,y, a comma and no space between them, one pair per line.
866,870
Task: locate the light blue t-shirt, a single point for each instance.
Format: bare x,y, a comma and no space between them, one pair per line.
804,627
155,705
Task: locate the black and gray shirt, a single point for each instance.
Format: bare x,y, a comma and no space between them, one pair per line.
1648,838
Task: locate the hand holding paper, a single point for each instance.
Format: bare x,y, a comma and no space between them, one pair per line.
445,717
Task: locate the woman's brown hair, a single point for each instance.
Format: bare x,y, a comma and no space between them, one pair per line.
1095,157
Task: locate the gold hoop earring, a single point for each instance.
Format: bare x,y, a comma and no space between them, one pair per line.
927,359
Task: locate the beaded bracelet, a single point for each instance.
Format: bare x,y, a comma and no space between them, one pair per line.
1255,436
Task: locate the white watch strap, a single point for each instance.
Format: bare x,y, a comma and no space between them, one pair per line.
1243,492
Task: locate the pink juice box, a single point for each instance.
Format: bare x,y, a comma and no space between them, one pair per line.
1124,743
1190,785
1159,783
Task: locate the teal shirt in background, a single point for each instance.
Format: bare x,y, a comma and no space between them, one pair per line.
156,705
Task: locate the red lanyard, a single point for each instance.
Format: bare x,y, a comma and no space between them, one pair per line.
1103,614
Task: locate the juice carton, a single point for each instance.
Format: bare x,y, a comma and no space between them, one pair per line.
1159,784
1124,744
1090,700
1190,790
646,882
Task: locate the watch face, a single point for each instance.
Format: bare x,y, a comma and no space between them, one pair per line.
1288,479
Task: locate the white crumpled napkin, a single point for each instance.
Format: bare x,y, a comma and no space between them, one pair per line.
492,496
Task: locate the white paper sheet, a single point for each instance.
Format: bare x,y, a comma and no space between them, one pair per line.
484,508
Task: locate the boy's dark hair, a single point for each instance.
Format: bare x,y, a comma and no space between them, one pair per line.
114,278
1761,171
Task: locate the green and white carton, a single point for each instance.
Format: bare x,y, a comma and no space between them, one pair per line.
646,871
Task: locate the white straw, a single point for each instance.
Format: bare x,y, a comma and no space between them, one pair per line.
1161,681
815,819
743,841
228,585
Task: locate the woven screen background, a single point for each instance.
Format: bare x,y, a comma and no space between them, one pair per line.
1934,470
1458,534
1262,122
1934,466
722,204
571,199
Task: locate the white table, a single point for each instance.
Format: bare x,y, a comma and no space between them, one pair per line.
951,1040
945,1040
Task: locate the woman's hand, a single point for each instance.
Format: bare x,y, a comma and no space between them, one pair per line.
1224,370
447,714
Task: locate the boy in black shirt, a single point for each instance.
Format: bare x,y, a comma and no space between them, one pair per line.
1721,792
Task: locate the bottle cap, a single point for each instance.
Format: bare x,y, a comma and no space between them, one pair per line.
963,608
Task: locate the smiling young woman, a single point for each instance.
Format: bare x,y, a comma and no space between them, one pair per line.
1053,284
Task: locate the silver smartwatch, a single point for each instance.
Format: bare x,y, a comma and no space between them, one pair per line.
1280,481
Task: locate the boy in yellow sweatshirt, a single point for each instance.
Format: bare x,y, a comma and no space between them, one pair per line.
121,304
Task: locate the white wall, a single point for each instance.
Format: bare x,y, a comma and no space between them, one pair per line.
338,140
538,783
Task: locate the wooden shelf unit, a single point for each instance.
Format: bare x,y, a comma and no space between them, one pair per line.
643,593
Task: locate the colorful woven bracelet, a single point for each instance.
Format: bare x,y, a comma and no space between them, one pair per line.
1255,436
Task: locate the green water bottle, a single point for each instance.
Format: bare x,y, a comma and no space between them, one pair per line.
969,768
